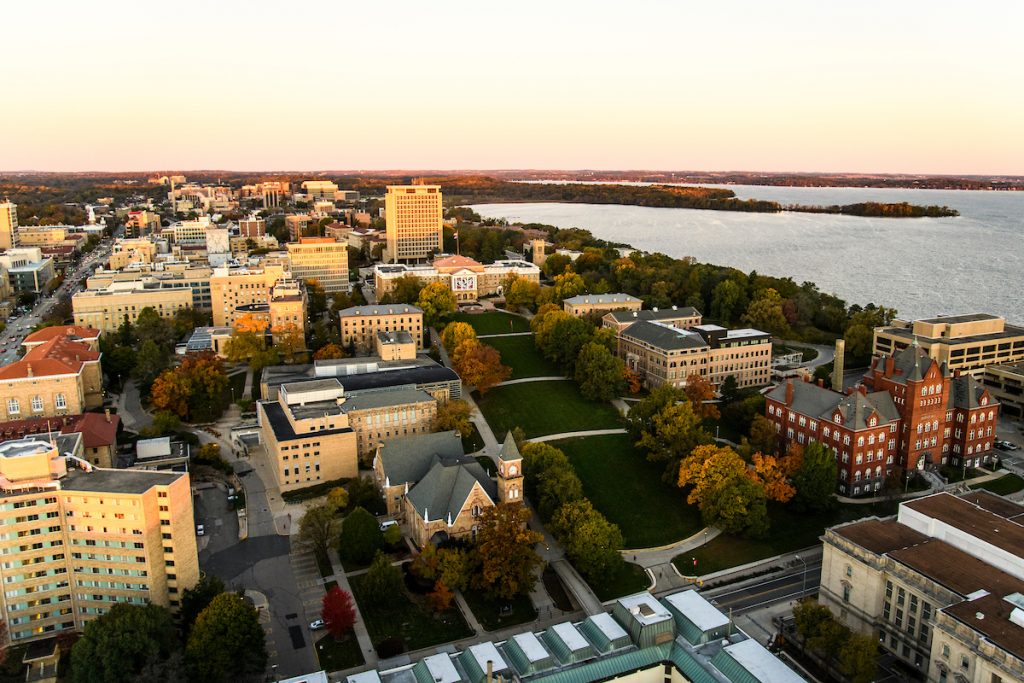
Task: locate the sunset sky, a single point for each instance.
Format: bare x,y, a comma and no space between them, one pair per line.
929,87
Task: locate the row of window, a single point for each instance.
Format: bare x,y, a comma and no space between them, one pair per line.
14,405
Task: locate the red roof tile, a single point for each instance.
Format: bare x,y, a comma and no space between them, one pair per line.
59,356
95,429
48,333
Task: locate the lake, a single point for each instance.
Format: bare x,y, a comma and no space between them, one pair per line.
920,266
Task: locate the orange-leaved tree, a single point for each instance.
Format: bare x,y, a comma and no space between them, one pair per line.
479,365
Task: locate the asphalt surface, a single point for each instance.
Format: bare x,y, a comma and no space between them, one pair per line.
794,584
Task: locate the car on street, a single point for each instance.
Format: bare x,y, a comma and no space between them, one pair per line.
316,625
1006,446
200,530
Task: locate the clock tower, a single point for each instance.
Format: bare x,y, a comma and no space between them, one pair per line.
510,472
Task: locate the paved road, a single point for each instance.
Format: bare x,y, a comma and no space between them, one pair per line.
795,583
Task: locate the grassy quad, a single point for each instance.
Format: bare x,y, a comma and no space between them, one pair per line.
411,621
1003,486
628,490
492,322
522,356
542,408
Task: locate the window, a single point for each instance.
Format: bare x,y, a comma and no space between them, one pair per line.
13,407
37,404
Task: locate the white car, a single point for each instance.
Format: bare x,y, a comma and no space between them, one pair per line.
316,625
200,530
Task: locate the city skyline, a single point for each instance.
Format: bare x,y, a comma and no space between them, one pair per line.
913,88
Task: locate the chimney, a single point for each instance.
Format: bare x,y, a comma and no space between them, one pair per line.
29,366
789,392
849,391
106,414
890,365
862,389
839,365
490,671
821,382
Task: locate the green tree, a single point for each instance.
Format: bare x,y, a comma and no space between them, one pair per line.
150,361
382,583
815,480
726,300
601,375
538,458
119,363
592,543
437,301
765,313
763,437
118,645
641,415
454,568
226,641
455,414
505,551
149,326
556,487
360,537
737,505
567,338
194,600
674,432
317,527
406,291
808,616
858,658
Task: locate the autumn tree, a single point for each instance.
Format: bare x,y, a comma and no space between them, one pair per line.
632,380
641,415
566,285
227,641
479,365
815,479
454,333
194,391
673,433
727,495
763,437
765,313
455,566
701,393
591,542
505,551
338,612
858,658
455,415
440,599
437,301
521,292
290,342
774,475
330,352
544,322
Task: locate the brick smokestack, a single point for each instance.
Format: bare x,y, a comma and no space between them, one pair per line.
839,365
789,392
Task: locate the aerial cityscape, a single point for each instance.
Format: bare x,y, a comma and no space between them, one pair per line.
552,343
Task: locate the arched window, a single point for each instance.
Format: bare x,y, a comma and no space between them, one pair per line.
13,407
37,404
61,401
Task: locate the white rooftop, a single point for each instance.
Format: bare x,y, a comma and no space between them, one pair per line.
321,677
645,608
484,652
744,332
153,448
531,646
702,613
573,639
761,664
442,669
608,626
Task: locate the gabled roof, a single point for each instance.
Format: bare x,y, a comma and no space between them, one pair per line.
59,356
855,408
409,459
96,431
909,364
966,392
443,491
48,333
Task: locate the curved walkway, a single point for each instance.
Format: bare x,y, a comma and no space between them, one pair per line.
570,435
505,334
652,557
524,380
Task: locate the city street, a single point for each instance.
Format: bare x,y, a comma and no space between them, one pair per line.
795,583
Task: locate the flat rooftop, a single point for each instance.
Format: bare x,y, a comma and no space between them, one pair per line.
117,481
972,519
880,535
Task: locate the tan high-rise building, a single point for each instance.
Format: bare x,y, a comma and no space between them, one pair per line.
322,259
77,540
107,309
234,287
413,215
8,225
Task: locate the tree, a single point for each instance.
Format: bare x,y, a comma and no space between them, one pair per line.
674,432
726,300
567,285
226,641
383,582
454,333
763,437
765,313
774,475
815,479
632,379
538,458
505,551
737,505
701,392
556,487
119,363
858,658
317,527
454,568
338,612
565,341
194,390
290,342
149,326
454,415
730,390
641,415
808,615
406,290
150,361
479,365
118,645
329,352
437,301
591,541
521,292
360,537
440,599
194,600
599,373
705,468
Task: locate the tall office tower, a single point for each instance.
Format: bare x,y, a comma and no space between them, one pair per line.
8,225
322,259
413,215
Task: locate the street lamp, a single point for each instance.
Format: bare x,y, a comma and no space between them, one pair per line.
803,583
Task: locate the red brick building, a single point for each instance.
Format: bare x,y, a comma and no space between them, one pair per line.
945,420
861,428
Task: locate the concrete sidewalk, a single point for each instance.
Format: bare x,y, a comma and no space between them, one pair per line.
571,435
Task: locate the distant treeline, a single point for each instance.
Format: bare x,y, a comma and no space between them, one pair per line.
880,210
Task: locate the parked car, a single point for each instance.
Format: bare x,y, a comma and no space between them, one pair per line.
387,524
316,625
200,530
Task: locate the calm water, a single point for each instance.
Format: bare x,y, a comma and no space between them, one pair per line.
920,266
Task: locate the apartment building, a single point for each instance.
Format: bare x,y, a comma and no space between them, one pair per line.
466,278
322,259
413,216
231,288
59,377
8,225
191,232
585,304
360,324
253,226
28,270
287,306
141,224
663,354
296,225
941,585
965,343
683,317
107,309
128,251
77,540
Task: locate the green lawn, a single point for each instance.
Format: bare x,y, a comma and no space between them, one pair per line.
789,531
473,442
631,579
1005,485
541,408
523,357
492,322
336,655
411,621
488,612
628,490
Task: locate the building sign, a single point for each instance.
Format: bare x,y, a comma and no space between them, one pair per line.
463,283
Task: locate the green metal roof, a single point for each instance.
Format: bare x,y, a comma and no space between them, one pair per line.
609,667
563,650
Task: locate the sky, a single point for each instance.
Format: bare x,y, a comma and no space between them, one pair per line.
898,87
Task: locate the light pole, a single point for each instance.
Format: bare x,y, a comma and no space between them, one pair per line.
803,583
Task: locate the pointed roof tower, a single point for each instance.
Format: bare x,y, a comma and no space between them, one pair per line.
509,451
